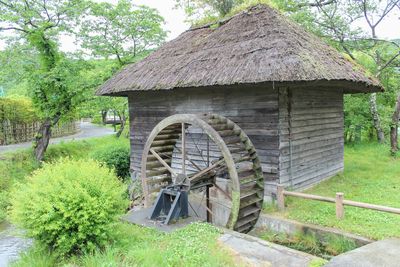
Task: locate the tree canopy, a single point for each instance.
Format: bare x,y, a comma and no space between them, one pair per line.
123,31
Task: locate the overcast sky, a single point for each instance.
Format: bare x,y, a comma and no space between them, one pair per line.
388,29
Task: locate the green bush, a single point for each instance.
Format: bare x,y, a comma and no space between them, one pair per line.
17,110
69,205
115,157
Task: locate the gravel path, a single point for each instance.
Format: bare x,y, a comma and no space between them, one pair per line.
88,130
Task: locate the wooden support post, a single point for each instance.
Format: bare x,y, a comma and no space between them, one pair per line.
339,206
280,197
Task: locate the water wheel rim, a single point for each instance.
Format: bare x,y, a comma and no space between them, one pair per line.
199,121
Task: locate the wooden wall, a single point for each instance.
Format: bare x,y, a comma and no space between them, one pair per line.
311,135
255,110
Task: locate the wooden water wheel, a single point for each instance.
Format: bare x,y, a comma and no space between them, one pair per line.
209,164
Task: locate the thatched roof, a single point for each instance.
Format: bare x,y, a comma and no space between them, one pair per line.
258,45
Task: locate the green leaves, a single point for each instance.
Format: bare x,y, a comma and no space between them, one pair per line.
115,157
70,205
122,31
17,110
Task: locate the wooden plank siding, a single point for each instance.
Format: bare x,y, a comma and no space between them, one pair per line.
310,135
255,110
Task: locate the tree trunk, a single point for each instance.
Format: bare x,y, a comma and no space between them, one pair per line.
122,119
376,119
104,116
42,138
394,127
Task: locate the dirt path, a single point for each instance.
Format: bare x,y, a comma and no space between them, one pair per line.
88,130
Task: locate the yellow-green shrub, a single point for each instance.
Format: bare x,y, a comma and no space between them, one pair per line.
17,110
69,205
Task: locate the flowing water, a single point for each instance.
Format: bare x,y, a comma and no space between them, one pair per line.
12,243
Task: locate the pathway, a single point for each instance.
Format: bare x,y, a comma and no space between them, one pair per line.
87,130
384,253
256,252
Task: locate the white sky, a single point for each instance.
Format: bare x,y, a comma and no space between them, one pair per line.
388,29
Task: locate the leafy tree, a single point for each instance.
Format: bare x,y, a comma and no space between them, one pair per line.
379,56
16,61
54,90
195,9
123,31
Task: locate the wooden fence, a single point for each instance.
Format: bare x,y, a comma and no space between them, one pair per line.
338,200
13,133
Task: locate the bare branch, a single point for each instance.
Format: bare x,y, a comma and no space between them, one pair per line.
388,63
13,28
317,3
11,6
386,11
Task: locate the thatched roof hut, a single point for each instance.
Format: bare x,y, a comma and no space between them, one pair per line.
255,46
282,85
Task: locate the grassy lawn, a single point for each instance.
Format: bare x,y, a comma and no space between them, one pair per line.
370,176
194,245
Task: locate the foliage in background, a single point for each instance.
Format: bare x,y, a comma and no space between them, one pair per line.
16,61
122,31
115,157
70,205
55,85
17,110
203,10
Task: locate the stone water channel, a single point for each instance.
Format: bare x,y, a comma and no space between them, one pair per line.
12,243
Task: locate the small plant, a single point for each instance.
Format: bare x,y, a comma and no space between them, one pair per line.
324,246
270,207
336,245
317,263
115,157
69,205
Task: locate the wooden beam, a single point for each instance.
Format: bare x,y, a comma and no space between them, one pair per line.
339,206
163,162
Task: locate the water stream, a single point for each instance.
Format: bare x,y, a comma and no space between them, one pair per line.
12,243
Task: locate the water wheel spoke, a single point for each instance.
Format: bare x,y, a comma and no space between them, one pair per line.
190,160
197,147
183,149
201,173
160,159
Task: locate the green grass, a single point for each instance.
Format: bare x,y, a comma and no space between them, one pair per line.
371,175
325,247
194,245
16,166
